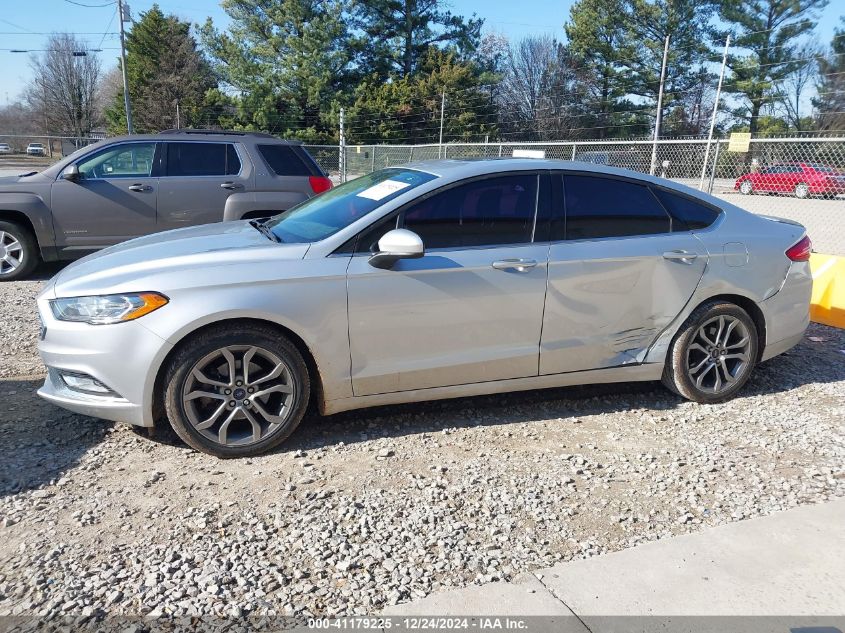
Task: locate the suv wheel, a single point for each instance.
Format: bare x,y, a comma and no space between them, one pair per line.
712,355
236,392
18,251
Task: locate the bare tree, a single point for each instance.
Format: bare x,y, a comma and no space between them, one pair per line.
792,89
541,96
64,88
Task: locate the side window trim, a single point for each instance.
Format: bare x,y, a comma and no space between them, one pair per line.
350,246
164,158
155,168
719,212
537,174
574,172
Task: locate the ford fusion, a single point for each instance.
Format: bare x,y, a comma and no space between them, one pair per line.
434,280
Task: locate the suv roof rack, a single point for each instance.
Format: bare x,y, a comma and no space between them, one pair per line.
221,132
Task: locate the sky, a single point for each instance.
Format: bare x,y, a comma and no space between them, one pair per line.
25,24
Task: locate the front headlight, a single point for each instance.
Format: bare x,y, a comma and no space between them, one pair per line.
107,308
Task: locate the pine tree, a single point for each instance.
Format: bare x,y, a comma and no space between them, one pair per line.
290,60
830,101
770,31
164,68
399,33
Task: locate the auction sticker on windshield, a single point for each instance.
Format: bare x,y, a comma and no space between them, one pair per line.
383,189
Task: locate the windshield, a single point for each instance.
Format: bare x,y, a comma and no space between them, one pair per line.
326,214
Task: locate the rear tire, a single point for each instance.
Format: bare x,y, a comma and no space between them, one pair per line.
236,391
746,188
18,251
713,354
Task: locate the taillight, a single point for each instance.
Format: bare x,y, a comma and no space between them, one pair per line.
800,252
319,184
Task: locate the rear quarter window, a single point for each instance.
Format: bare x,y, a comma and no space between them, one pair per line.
688,215
284,160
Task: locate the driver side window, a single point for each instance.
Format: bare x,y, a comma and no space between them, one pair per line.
129,160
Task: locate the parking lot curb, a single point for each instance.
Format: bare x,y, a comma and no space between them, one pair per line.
827,305
789,565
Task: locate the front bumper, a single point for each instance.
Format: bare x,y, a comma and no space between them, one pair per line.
125,357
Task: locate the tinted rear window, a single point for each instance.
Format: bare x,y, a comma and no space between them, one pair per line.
284,160
202,159
598,207
688,214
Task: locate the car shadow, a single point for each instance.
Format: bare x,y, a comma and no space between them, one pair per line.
819,358
39,442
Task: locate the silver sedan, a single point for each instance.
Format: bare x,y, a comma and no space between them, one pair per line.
432,280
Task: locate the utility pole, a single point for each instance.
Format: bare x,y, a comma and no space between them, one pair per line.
659,107
442,108
341,158
713,118
123,16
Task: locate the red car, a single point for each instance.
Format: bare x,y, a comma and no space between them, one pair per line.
800,179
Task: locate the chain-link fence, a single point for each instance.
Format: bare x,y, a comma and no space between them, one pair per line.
798,178
31,146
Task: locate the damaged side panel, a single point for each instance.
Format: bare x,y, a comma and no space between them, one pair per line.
608,299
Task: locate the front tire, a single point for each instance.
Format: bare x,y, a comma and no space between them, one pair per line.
18,251
713,354
236,391
746,188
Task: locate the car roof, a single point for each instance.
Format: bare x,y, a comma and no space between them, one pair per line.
467,168
203,135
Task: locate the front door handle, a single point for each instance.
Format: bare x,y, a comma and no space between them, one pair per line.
230,185
685,257
520,264
139,187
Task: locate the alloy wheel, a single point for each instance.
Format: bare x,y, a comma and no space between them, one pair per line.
719,354
801,190
238,395
11,253
746,187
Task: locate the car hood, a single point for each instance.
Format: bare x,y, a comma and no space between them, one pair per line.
14,183
144,263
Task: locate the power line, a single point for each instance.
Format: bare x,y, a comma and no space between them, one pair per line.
91,6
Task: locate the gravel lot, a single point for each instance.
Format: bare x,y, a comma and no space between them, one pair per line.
371,508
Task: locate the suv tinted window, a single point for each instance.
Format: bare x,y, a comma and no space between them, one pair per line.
202,159
688,214
498,210
606,207
284,160
127,160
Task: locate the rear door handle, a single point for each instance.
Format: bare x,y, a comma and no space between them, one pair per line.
680,256
520,264
230,185
139,187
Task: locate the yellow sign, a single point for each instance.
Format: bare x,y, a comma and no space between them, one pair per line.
739,142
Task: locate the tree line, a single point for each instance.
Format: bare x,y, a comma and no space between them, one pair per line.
290,66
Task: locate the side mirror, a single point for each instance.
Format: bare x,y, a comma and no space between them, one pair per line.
395,245
72,173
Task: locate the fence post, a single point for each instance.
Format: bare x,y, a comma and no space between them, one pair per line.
442,108
713,171
373,160
500,150
341,149
659,108
573,151
713,118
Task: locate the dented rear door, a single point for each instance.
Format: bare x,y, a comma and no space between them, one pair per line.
609,297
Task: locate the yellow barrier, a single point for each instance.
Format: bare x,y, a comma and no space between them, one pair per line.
828,303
